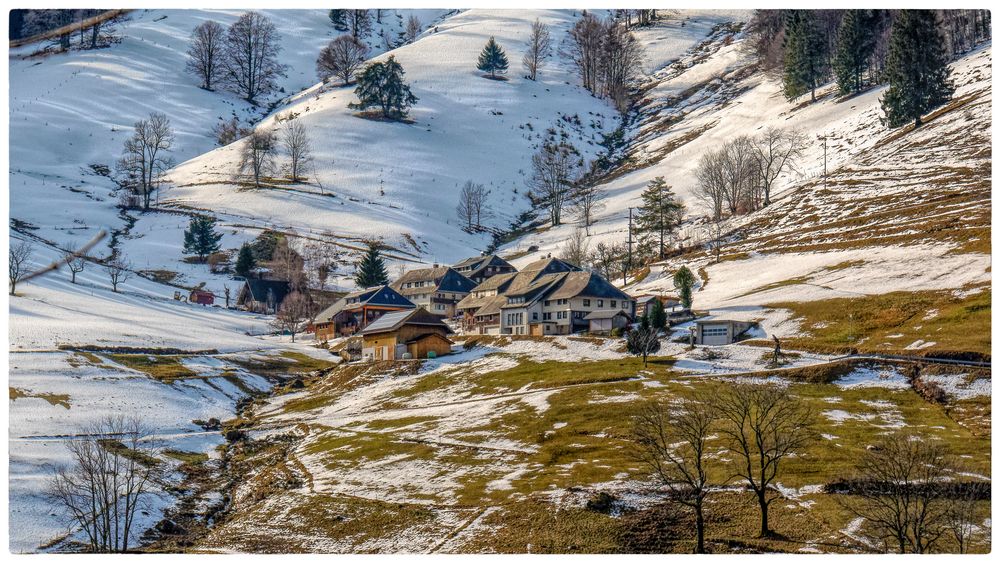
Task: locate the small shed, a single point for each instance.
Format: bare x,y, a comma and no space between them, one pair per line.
397,333
719,332
604,321
201,297
427,345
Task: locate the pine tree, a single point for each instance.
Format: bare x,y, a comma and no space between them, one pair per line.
492,60
660,212
855,45
200,237
916,68
657,316
371,268
684,282
245,262
381,86
804,54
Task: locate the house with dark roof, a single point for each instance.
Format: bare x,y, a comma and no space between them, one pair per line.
436,289
481,268
357,310
559,303
262,296
417,332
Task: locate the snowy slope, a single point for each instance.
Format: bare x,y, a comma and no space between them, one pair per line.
466,127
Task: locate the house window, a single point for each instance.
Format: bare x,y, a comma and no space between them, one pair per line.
720,331
546,316
547,302
614,303
586,302
600,302
534,316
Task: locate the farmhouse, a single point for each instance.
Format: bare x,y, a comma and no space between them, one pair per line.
416,332
436,289
719,332
262,296
480,310
559,304
481,268
357,310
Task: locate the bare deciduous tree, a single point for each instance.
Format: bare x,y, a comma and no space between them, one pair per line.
413,29
110,478
900,495
342,58
711,188
607,259
555,168
963,516
359,22
19,257
294,311
288,264
75,262
587,203
471,204
585,49
674,447
297,146
208,42
257,154
643,341
620,63
576,251
251,67
144,156
763,425
119,271
776,151
539,49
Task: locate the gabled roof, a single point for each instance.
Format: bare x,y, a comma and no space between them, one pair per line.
497,283
587,284
473,267
258,289
491,305
443,278
606,314
393,321
380,295
530,273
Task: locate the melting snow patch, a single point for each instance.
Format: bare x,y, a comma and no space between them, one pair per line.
920,345
867,377
959,387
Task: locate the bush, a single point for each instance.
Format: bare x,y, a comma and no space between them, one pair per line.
616,332
600,502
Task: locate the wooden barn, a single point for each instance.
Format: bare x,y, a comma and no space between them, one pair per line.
417,332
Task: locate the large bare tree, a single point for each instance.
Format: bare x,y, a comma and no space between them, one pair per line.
342,58
145,156
775,152
471,204
111,476
576,251
555,168
674,446
251,66
297,147
900,491
19,259
208,42
586,36
75,262
539,48
763,425
607,259
620,63
257,154
586,203
413,29
295,310
119,270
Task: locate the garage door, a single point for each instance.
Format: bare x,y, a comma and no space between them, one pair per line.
715,336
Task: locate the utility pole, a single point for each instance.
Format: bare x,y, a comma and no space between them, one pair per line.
824,160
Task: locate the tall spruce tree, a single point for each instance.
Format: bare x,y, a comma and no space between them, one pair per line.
381,86
371,268
245,262
200,237
493,60
804,54
684,282
855,45
657,316
916,68
660,212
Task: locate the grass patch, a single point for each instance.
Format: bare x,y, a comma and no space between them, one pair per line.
192,458
162,368
54,399
285,364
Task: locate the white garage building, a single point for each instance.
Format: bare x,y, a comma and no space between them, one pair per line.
719,332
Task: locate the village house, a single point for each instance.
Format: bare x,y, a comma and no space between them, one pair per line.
560,303
356,311
644,303
481,268
262,296
719,332
416,333
437,289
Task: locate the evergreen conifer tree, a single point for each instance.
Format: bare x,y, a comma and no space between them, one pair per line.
381,86
200,237
492,60
245,262
684,282
371,268
916,68
804,54
855,45
657,316
660,212
339,19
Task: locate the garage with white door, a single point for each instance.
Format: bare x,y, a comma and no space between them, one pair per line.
719,332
